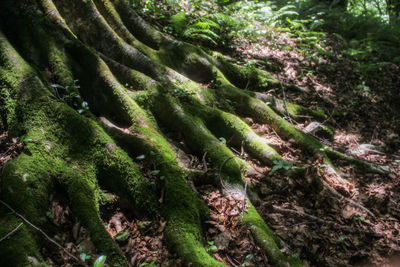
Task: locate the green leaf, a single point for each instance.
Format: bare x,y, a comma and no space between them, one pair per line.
84,256
57,86
141,157
26,139
100,261
154,172
360,218
249,257
179,21
275,168
223,140
49,214
85,104
122,236
146,264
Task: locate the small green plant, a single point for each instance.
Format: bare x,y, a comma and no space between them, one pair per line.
26,139
341,240
99,262
282,164
211,247
249,257
122,236
49,214
223,140
84,257
70,95
181,93
323,149
359,218
148,264
154,172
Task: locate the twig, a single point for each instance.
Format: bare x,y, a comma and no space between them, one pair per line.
302,223
283,141
230,261
43,233
235,150
244,199
351,202
284,100
10,233
247,85
345,228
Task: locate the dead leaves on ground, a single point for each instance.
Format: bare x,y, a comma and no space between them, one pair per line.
228,240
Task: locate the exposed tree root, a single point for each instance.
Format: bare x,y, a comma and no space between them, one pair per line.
139,85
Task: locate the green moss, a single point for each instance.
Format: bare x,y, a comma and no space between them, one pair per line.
7,106
245,77
297,111
74,151
26,183
236,130
15,250
136,25
267,240
198,137
114,19
252,107
294,110
187,59
81,189
184,213
133,80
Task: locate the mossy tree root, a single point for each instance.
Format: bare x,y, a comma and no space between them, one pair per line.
134,78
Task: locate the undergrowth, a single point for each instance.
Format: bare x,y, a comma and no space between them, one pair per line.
360,35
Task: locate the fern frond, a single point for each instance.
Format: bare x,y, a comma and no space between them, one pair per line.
190,32
203,37
223,20
204,23
178,21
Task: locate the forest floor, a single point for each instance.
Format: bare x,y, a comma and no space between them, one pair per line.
322,229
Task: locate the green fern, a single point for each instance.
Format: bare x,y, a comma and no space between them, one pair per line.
179,21
205,24
200,29
201,35
223,20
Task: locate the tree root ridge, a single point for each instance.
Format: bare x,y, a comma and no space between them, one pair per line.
139,85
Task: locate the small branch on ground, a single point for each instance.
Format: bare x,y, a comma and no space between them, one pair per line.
315,219
244,199
284,101
12,232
